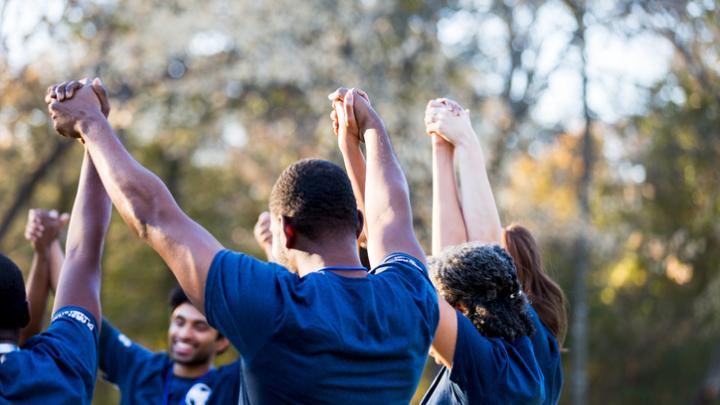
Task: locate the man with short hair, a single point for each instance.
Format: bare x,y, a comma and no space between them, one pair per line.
59,365
184,375
326,331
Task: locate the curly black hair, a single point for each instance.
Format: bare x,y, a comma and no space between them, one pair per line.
316,197
480,280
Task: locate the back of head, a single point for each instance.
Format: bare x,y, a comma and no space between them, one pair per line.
480,280
545,295
317,198
14,312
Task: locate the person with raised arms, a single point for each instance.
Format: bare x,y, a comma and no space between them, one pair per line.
486,354
454,139
59,365
184,374
315,327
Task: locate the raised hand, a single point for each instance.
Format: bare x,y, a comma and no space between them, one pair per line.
447,119
347,124
72,101
262,233
43,227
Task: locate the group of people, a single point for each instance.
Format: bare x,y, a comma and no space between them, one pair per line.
313,323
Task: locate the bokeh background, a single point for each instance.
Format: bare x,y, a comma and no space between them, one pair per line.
600,120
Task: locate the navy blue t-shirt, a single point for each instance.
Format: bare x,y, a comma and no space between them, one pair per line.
57,366
144,377
324,338
547,354
488,370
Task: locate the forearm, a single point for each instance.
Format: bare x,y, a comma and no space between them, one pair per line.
79,282
448,225
57,257
389,216
355,167
37,292
139,195
482,219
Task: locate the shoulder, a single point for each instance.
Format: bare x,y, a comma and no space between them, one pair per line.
72,330
400,261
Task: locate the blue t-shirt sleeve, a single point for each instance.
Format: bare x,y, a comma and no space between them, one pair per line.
58,363
119,357
476,365
401,260
243,297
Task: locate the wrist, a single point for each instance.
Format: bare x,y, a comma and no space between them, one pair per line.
371,123
468,140
87,125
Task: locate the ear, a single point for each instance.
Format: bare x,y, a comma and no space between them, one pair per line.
289,231
360,224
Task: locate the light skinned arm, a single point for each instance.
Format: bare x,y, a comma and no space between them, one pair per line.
42,231
480,213
448,227
141,198
79,283
388,212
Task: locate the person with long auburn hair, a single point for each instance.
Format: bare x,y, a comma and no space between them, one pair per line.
448,120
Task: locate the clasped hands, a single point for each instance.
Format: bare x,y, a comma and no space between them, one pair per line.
71,103
448,123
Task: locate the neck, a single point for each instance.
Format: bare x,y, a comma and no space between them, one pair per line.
191,371
316,255
11,336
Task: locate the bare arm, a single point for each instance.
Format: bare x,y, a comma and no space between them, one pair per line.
482,220
42,231
79,283
353,159
388,212
141,198
448,225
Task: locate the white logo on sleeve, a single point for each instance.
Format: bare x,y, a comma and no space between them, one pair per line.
124,340
198,394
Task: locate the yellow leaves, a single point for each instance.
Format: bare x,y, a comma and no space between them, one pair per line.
545,184
626,273
677,271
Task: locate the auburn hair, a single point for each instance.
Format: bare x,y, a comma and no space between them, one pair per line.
545,295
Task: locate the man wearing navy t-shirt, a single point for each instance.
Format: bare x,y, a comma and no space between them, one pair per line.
183,375
316,327
59,365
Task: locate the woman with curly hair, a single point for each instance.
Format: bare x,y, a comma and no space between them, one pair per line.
453,137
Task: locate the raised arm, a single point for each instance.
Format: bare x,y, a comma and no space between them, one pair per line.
387,208
263,235
79,283
349,142
482,220
42,231
448,224
141,198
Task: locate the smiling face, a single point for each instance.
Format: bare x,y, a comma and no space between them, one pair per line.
191,340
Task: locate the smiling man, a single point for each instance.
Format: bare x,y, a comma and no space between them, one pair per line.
183,375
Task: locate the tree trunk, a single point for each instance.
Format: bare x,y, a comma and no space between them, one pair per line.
579,381
26,189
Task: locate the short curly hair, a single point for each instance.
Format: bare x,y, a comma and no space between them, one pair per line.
481,280
316,197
